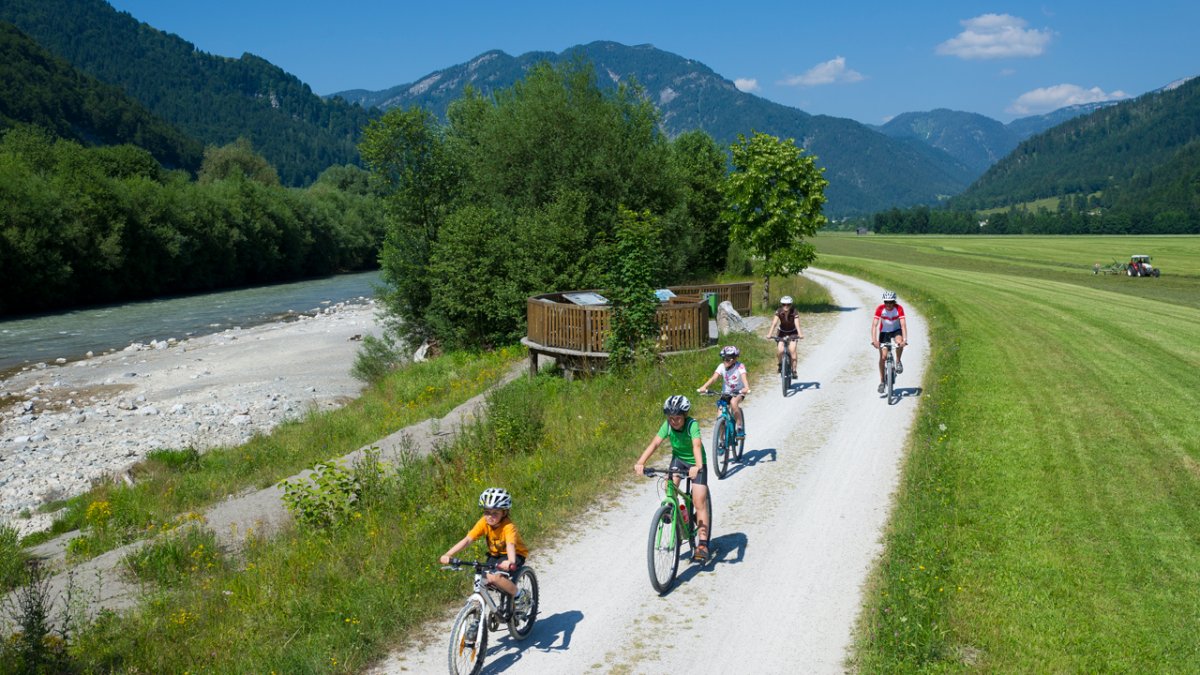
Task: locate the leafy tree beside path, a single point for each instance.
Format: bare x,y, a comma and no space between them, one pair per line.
773,201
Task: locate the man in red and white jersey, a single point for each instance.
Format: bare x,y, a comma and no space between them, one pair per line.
889,323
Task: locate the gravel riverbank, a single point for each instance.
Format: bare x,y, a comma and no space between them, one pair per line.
64,425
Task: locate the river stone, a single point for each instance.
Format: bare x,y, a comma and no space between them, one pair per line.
729,321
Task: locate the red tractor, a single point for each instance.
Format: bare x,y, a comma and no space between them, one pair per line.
1139,266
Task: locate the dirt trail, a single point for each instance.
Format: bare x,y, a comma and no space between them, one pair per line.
798,527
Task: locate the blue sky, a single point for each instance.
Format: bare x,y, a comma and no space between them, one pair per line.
865,61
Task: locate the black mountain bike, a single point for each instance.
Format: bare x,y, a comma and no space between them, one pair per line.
785,369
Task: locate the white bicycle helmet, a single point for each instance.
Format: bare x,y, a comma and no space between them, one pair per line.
677,405
785,300
730,351
495,498
889,296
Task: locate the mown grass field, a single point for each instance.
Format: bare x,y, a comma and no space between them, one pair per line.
1048,518
334,599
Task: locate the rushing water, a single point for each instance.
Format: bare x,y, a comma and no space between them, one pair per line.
72,334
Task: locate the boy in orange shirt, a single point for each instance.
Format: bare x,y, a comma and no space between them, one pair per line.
504,542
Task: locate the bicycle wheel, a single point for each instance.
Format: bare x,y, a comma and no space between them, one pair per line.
520,626
785,373
720,446
662,552
468,640
741,442
890,377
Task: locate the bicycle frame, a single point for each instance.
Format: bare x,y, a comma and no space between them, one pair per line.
676,497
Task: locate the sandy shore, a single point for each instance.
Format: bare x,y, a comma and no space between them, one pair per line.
63,426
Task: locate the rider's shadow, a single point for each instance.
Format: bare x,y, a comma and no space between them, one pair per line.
729,549
552,633
752,458
905,392
798,387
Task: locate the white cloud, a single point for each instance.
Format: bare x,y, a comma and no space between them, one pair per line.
1047,99
995,36
746,84
831,71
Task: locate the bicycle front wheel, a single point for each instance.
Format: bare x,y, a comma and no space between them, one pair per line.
662,552
525,612
890,378
786,374
468,639
720,446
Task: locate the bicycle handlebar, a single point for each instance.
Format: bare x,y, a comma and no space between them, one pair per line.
651,471
456,565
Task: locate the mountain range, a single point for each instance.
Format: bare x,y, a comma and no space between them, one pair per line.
211,98
915,158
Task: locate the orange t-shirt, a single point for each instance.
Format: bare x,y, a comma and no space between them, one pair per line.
498,537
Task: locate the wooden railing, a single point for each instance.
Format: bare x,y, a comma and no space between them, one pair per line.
737,294
556,324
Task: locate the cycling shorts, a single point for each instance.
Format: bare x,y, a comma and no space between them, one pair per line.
495,559
701,476
888,335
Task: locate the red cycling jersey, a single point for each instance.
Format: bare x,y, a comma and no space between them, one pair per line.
889,319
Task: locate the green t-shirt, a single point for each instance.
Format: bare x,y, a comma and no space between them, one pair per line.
681,441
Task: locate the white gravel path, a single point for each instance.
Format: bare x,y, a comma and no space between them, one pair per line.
799,526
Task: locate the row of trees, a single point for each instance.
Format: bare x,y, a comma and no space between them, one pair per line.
1096,220
547,186
90,225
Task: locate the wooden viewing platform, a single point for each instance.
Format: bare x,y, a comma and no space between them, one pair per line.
575,334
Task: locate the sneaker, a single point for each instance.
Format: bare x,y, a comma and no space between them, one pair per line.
522,603
899,367
881,387
741,433
700,554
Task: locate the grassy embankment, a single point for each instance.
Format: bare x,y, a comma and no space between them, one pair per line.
1048,518
334,599
173,483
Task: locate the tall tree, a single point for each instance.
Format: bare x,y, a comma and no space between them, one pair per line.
410,165
773,201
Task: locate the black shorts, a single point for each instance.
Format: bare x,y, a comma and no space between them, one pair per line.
888,335
495,559
701,476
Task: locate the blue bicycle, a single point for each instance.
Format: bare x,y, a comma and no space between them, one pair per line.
726,446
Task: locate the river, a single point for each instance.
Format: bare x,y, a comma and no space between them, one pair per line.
72,334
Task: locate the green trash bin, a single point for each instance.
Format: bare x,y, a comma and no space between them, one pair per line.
712,302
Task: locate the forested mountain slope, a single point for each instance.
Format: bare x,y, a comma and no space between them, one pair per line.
867,170
1122,153
213,98
39,88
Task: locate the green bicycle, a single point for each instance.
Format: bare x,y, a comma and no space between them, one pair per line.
674,520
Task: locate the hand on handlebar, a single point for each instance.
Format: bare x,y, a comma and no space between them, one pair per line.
639,469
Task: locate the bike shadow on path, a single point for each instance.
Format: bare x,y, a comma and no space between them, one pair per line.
798,387
900,393
728,549
550,634
751,458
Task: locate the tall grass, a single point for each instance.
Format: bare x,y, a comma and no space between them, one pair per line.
171,483
1048,518
334,599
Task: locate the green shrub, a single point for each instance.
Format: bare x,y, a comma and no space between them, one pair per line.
325,498
12,559
375,359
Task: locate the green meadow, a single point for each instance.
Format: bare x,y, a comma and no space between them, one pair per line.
1048,518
